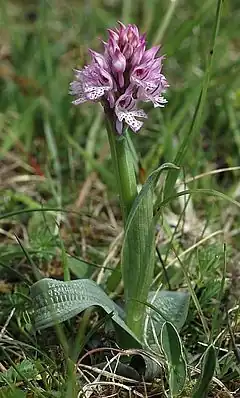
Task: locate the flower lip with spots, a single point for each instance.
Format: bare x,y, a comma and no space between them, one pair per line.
125,75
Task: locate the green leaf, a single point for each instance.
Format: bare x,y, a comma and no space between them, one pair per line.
25,369
11,392
172,348
57,301
114,279
138,251
208,368
42,223
166,306
79,267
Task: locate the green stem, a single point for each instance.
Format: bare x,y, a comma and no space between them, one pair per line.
135,316
124,170
123,164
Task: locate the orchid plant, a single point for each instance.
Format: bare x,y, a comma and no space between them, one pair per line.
122,79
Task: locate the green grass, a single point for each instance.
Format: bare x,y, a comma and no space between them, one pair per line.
55,156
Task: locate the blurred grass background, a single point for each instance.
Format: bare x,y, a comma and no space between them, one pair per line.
40,44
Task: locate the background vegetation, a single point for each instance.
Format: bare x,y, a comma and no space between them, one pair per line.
53,155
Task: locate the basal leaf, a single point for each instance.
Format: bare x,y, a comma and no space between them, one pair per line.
172,348
166,306
56,301
208,368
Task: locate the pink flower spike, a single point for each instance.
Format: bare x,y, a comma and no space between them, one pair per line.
118,61
137,55
122,77
121,24
150,54
127,111
112,35
127,51
99,58
130,118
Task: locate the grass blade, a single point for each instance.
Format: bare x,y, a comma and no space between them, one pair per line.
208,368
199,112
